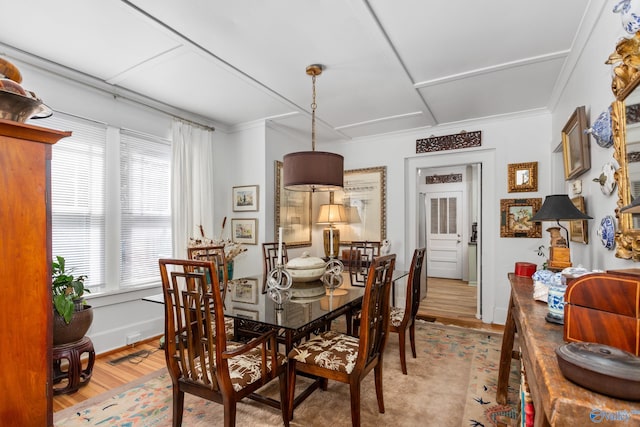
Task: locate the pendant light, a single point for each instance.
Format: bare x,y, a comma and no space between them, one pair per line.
313,170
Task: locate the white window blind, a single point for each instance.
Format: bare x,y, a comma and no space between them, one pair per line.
145,233
77,186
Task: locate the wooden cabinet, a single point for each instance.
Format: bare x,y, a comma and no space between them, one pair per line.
25,273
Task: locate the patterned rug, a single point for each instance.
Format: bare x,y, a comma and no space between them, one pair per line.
451,383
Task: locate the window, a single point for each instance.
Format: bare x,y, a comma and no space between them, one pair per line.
111,217
78,196
145,208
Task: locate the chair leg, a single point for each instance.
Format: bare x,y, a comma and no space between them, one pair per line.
402,343
291,384
324,383
229,412
178,406
284,397
377,371
354,388
412,338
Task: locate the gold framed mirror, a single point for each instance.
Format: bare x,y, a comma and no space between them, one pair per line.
625,127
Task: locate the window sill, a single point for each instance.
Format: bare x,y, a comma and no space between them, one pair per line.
122,295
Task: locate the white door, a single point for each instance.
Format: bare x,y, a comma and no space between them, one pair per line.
444,234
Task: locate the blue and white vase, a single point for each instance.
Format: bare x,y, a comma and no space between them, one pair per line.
556,301
630,15
601,129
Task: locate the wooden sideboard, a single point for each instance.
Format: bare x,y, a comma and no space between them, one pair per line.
25,270
558,402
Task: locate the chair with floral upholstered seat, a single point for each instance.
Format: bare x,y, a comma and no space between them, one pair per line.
404,317
335,356
200,359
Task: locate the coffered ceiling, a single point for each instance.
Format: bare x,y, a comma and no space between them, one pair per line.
390,65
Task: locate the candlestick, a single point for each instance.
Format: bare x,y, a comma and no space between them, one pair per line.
330,242
280,246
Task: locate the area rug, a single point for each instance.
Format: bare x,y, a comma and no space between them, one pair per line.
451,383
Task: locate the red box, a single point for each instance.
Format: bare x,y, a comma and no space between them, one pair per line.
525,269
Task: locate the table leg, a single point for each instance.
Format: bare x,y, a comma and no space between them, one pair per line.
506,353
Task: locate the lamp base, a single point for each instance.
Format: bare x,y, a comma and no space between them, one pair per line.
559,257
328,251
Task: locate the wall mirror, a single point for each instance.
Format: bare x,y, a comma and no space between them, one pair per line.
365,200
625,125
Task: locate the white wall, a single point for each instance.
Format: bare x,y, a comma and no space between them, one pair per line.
512,139
590,85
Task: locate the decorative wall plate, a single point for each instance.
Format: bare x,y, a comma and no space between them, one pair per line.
606,179
607,231
601,129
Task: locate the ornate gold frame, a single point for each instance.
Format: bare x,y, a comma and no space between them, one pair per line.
508,224
368,185
514,180
579,230
626,79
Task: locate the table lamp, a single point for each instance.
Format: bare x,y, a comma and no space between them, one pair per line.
331,214
559,207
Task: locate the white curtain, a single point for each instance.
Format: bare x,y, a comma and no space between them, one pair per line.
191,184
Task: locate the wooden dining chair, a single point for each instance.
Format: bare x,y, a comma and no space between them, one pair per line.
361,255
216,254
270,259
404,317
200,359
335,356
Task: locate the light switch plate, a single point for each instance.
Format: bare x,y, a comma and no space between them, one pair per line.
576,187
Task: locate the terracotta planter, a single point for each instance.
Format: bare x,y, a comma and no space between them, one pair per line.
64,333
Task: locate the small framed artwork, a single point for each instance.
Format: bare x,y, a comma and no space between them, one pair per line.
246,314
245,290
245,199
244,231
515,218
575,145
523,177
578,229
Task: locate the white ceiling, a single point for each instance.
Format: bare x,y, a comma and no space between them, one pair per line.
390,65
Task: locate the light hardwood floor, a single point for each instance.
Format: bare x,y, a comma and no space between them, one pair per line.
448,301
106,376
452,302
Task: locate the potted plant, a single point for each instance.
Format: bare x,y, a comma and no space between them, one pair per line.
72,317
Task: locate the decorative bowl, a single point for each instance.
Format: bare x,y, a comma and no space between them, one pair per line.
601,129
607,231
19,108
306,268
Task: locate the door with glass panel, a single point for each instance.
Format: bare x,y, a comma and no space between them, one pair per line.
444,234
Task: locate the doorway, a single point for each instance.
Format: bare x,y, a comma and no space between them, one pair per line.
449,219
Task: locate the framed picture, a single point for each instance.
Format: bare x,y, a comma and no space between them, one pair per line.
523,177
245,199
244,231
292,213
365,201
575,145
246,314
245,290
578,229
515,218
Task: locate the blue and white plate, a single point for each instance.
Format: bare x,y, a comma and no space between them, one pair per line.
601,129
607,232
